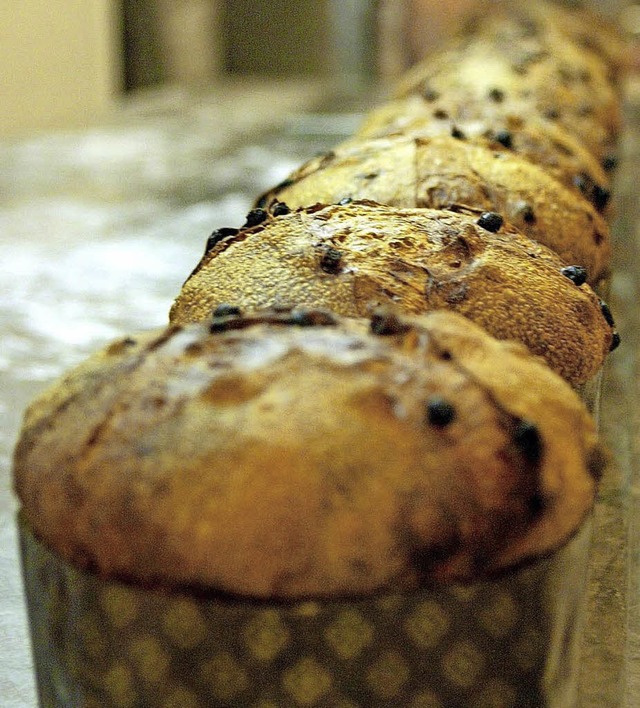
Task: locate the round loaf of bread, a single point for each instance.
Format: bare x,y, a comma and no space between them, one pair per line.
541,142
590,31
450,173
559,83
291,454
356,257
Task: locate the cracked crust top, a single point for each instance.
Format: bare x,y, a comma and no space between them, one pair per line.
539,141
292,454
504,67
355,257
449,173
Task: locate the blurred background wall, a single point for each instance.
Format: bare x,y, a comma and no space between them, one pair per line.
59,62
64,63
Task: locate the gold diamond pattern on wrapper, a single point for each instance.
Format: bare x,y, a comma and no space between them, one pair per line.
307,682
529,649
150,659
119,607
92,637
426,699
181,697
184,624
388,676
497,694
226,678
500,616
463,664
349,634
119,686
266,635
427,625
430,649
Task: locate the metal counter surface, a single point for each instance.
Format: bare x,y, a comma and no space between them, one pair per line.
98,230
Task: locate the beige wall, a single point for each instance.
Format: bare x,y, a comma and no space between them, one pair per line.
59,62
283,38
189,40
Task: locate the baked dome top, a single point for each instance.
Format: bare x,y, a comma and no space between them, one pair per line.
355,257
294,453
449,173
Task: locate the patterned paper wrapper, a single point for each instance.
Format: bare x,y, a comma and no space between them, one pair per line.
508,642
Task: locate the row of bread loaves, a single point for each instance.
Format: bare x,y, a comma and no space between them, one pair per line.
371,384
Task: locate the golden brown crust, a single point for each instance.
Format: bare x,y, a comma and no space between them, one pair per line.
276,460
445,173
541,142
552,80
588,30
355,257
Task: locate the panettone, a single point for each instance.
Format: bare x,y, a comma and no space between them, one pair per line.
355,257
526,78
290,454
540,141
450,173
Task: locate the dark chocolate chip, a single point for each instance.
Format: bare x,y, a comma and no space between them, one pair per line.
615,341
585,109
609,163
491,221
255,217
331,260
440,114
457,133
226,310
325,157
430,94
311,318
597,461
577,274
527,438
504,137
387,323
585,76
527,214
220,324
536,504
217,236
600,197
371,175
280,209
440,413
566,75
529,27
120,346
597,194
606,313
496,95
